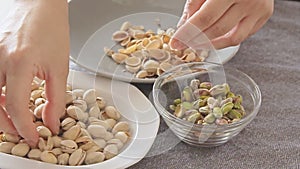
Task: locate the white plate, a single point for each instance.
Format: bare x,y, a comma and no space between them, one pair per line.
92,56
134,107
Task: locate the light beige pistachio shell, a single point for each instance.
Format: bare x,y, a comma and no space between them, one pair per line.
133,61
39,101
155,44
75,113
133,69
125,26
151,66
87,146
20,149
108,136
96,131
110,151
112,112
48,157
100,142
6,137
81,104
38,111
68,146
67,123
77,157
6,147
121,126
44,132
95,148
119,35
125,41
83,140
117,142
56,141
100,102
78,93
81,124
142,74
69,97
101,123
36,94
157,54
57,151
122,136
73,133
34,154
90,96
119,57
63,159
84,132
111,123
94,111
94,157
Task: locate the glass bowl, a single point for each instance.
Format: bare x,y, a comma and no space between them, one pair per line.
169,86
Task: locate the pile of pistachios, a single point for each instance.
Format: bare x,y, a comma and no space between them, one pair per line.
202,103
90,131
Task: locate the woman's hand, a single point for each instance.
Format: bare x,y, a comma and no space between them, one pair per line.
224,22
34,41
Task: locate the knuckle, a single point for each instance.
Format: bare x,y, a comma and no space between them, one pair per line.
206,19
219,30
235,40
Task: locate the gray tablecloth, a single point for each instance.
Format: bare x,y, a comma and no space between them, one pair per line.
272,58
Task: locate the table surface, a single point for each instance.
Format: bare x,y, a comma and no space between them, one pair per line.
272,58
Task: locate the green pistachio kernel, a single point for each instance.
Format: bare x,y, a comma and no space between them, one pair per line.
177,101
179,112
217,112
187,105
210,118
205,85
204,110
194,117
187,94
230,95
233,114
227,107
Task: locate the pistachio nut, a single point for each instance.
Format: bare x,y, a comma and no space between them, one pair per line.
6,137
221,121
194,117
110,151
96,131
73,133
112,112
94,111
57,151
195,84
44,131
87,146
75,113
56,141
6,147
81,124
117,142
90,96
121,126
218,90
227,107
177,101
111,123
210,118
179,111
217,112
77,157
84,132
102,123
68,146
187,105
205,85
39,110
48,157
100,142
108,136
34,154
81,104
78,93
67,123
101,102
36,94
69,97
94,157
187,94
122,136
63,159
234,114
21,149
39,101
83,140
94,148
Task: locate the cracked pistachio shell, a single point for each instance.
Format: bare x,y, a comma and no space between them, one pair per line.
67,123
63,159
81,124
84,132
6,137
56,141
100,142
48,157
112,112
111,123
20,149
6,147
73,133
90,96
36,94
34,154
87,146
101,102
39,101
44,131
69,97
95,148
81,104
68,146
75,113
94,111
83,139
38,111
57,151
117,142
110,151
77,157
94,157
96,131
121,126
122,136
102,123
78,93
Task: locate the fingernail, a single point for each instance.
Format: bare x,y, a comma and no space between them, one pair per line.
177,45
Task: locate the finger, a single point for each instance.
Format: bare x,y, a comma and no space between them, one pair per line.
209,13
231,18
2,100
6,124
238,34
258,25
17,96
55,106
191,6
